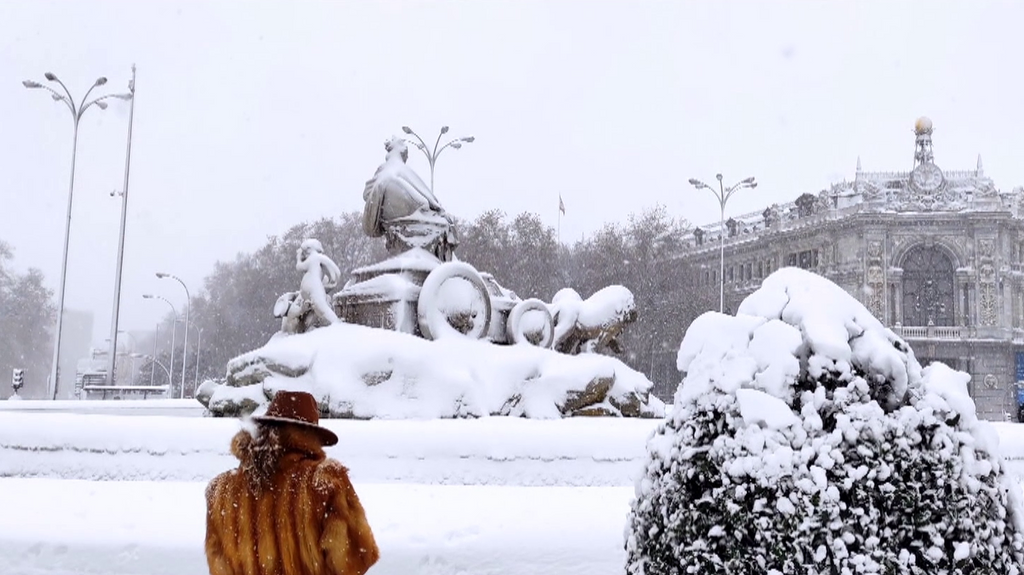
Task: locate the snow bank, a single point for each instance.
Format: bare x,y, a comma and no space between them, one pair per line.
495,450
174,407
117,528
363,372
488,451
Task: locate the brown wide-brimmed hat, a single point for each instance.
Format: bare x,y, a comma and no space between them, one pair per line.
296,408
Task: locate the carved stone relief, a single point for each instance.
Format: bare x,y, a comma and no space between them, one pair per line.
874,249
987,295
986,248
876,291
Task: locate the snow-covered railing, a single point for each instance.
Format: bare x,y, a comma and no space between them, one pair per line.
945,332
787,222
881,176
960,174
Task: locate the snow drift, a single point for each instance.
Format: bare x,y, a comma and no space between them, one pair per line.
361,372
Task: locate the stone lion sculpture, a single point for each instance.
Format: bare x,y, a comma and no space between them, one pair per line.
592,325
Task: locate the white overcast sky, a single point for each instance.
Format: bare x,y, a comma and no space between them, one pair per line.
251,117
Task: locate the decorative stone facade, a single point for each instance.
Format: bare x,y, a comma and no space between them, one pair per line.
937,256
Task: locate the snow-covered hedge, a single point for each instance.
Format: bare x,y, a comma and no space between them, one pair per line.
806,438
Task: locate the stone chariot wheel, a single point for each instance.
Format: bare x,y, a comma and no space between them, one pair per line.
531,322
454,302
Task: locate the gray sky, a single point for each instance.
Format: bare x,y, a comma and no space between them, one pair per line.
251,117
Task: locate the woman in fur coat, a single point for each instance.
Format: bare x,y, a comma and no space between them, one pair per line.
287,509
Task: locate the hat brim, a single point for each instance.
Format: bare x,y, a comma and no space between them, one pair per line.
327,437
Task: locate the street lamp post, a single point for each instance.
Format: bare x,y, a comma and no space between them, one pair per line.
174,333
77,110
155,363
120,241
131,379
188,308
723,194
432,154
113,365
199,348
156,339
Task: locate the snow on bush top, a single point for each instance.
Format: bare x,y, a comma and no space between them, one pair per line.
795,315
806,439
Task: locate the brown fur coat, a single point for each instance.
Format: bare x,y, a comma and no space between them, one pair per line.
286,510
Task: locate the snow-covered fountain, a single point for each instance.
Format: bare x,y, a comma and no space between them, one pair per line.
422,334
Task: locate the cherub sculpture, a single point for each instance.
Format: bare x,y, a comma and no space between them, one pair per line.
319,274
300,310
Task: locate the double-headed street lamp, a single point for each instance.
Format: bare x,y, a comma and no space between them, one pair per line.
77,110
432,154
188,307
174,334
723,194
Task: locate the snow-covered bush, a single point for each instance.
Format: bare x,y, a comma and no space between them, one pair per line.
806,438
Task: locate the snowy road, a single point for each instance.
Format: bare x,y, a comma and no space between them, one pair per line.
167,407
64,527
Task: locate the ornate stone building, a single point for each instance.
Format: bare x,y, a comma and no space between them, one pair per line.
936,255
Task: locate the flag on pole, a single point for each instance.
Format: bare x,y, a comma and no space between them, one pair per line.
561,206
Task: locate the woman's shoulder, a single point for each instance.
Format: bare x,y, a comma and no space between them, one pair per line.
330,475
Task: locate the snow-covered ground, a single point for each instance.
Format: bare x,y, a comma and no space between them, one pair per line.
491,495
156,528
493,450
488,451
172,407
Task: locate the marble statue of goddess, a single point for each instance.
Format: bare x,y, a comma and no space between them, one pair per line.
401,207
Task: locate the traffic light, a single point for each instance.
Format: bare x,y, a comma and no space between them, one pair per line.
18,379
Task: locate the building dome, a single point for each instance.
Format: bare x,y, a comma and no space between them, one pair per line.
923,125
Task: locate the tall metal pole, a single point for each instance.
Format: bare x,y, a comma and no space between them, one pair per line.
120,241
55,366
722,194
77,110
174,335
188,308
199,347
721,251
156,338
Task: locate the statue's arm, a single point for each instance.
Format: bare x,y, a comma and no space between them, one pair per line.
333,271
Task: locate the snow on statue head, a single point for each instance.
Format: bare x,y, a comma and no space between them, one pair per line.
401,207
309,246
805,438
396,147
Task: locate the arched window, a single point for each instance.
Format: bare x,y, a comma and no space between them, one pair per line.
928,287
